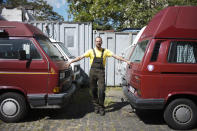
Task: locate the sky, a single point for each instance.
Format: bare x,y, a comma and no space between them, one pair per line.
59,6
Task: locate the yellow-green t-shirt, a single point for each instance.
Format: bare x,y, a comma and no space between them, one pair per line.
90,53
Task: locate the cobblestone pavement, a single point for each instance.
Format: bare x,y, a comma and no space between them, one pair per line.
79,116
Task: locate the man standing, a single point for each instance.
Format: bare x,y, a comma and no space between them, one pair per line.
97,73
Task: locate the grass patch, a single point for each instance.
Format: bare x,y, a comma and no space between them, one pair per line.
108,101
117,88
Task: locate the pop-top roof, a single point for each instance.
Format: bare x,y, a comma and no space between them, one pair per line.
17,29
173,22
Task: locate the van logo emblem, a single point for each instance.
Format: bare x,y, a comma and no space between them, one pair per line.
150,67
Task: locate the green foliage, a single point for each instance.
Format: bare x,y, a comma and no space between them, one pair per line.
118,14
182,2
43,11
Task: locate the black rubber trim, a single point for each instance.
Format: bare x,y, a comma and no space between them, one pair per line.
59,99
36,100
139,103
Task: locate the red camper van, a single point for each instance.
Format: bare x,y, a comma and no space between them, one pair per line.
32,72
163,70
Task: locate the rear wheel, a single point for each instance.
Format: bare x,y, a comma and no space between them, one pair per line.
12,107
181,114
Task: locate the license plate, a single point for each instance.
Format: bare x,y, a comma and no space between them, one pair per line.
131,89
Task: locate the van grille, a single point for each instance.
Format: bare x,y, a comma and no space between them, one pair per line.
68,73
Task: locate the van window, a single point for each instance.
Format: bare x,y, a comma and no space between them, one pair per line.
182,52
139,51
9,49
66,51
48,47
155,52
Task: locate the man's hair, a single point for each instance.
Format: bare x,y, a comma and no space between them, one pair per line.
98,37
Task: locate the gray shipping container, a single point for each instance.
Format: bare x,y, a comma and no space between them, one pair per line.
79,37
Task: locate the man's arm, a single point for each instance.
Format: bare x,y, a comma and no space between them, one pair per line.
121,59
75,60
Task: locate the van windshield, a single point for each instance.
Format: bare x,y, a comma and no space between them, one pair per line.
51,51
66,51
139,51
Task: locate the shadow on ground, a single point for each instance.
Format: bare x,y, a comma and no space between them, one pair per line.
79,105
151,116
115,106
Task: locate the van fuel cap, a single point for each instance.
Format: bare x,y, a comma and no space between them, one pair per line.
150,67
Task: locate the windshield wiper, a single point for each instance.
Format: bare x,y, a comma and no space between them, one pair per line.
137,61
54,56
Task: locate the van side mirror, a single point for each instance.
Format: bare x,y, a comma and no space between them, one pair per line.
123,54
22,55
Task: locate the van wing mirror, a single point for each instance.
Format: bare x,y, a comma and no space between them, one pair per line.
22,55
129,66
123,54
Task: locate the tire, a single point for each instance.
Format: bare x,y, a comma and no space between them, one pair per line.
13,107
181,114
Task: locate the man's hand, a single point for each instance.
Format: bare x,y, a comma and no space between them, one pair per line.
128,62
67,65
121,59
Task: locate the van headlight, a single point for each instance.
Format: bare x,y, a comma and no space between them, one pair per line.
62,75
76,68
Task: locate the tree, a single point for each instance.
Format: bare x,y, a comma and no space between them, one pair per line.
118,14
139,12
103,13
113,14
43,11
182,2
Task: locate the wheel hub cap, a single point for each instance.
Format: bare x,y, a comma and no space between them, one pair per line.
182,114
9,107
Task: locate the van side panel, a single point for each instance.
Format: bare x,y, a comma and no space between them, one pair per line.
177,78
150,80
15,73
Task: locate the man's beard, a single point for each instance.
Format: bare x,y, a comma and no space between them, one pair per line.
98,46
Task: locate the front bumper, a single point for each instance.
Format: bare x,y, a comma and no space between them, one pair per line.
61,98
139,103
51,100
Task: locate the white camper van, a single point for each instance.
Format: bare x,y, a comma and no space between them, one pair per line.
126,54
78,77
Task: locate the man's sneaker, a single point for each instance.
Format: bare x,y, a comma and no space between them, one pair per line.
102,112
96,110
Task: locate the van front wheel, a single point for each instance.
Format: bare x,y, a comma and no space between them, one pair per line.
12,107
181,114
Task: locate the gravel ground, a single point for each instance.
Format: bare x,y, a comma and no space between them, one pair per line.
79,116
